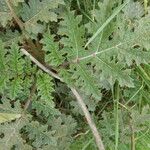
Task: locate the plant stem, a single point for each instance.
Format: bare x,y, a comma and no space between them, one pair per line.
116,113
97,53
106,22
89,120
141,87
132,135
78,97
33,89
145,6
131,126
84,13
89,142
18,21
143,75
45,69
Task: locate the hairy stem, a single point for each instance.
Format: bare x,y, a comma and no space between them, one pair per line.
78,97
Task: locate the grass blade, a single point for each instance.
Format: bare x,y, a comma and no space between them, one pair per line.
106,22
143,75
116,96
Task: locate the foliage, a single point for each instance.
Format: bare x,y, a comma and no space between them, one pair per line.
93,46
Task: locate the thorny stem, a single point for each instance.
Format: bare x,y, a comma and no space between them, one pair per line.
79,100
18,21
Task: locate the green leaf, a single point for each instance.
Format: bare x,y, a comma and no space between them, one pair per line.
106,22
6,106
45,87
141,118
37,10
88,100
85,80
11,130
3,67
58,137
15,88
110,71
39,134
5,14
2,57
134,54
15,70
74,41
143,141
53,55
9,37
44,107
64,126
12,136
134,10
15,63
142,32
16,2
142,73
101,14
66,76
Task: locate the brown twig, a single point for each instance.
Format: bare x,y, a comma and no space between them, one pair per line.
33,89
18,21
78,97
45,69
89,120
